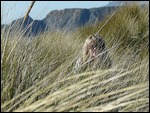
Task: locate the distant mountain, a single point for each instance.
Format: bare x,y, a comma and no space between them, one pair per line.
71,19
31,27
119,3
67,19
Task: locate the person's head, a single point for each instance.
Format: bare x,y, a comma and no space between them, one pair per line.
93,46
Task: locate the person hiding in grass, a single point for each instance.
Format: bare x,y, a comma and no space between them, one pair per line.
94,55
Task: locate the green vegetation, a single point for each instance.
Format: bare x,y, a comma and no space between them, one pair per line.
37,74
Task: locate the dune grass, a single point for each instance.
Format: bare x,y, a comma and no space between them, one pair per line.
37,73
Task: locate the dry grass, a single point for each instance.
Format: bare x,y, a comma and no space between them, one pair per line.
37,74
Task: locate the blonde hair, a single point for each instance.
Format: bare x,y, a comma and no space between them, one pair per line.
93,46
92,41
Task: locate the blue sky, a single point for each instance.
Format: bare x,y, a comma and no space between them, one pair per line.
11,10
